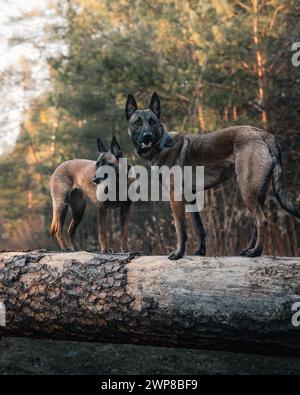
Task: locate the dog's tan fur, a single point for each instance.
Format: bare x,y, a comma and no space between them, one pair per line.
250,153
70,184
243,149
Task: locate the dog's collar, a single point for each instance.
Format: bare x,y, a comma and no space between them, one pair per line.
163,141
166,141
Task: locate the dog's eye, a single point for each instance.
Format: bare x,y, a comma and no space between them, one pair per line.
152,122
137,123
100,163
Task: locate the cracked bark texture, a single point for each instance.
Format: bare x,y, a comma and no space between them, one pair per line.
226,303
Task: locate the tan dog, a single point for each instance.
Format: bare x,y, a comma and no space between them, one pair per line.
77,179
250,153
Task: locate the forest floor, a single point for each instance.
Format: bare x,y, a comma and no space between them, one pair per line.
27,356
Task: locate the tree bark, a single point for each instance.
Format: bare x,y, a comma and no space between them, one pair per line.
228,303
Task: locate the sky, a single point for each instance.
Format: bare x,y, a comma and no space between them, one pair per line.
9,9
11,57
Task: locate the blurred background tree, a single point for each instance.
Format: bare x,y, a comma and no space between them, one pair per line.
214,64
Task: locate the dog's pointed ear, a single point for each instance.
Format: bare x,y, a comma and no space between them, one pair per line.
130,106
101,147
155,105
116,148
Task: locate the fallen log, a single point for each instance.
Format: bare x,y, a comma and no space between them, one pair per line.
227,303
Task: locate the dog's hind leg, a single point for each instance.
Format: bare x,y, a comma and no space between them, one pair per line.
200,233
253,167
60,209
60,214
59,188
77,203
252,242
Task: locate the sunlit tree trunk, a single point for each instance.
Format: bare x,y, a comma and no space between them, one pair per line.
201,117
260,65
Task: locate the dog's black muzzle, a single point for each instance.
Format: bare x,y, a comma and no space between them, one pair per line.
145,142
96,180
147,138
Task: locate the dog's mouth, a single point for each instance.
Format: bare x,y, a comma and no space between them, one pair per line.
143,148
146,145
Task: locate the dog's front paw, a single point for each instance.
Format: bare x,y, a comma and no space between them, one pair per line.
106,251
244,252
68,249
176,255
200,252
253,252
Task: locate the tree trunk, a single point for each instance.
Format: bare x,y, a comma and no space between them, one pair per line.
229,303
260,66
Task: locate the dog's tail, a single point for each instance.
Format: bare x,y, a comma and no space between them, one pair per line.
278,182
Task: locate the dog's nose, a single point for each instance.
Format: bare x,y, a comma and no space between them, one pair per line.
147,138
96,180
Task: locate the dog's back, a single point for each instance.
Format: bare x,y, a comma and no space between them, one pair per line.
73,174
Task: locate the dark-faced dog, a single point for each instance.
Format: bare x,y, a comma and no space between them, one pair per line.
74,181
250,153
